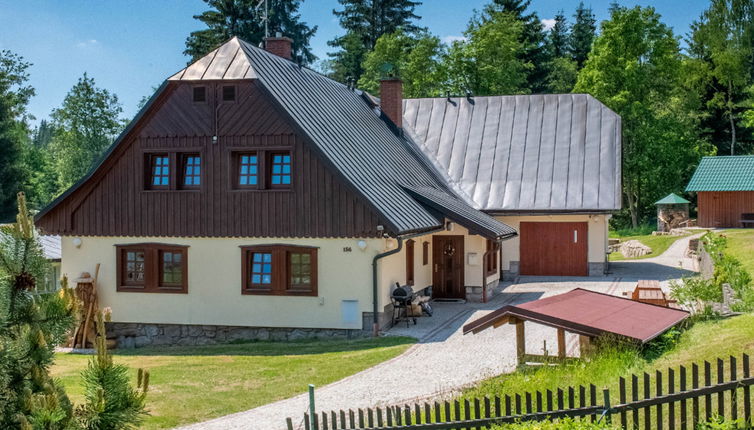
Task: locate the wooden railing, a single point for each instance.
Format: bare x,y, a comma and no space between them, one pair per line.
675,398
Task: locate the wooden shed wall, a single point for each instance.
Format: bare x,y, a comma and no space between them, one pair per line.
723,208
114,201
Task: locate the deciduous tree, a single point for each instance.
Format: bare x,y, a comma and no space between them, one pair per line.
490,60
416,59
635,68
85,125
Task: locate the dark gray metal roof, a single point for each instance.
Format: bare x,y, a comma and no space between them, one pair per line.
528,153
457,210
352,136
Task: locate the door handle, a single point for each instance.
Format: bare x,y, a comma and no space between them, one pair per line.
435,267
575,236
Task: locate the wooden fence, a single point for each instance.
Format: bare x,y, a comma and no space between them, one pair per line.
671,399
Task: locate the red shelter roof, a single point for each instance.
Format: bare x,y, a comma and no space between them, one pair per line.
589,313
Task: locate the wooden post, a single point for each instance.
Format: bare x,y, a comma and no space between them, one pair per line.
585,344
520,339
561,343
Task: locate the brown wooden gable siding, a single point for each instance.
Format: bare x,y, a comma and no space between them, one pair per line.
723,208
115,203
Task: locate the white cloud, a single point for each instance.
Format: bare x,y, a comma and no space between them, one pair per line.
450,39
87,43
548,24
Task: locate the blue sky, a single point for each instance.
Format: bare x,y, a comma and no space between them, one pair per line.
131,46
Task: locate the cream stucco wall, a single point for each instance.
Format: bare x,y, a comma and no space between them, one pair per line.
214,284
392,269
214,281
597,234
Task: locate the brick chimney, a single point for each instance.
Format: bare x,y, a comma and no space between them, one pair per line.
280,46
391,99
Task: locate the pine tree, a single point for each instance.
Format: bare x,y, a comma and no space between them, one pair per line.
582,34
32,323
533,39
365,21
558,38
111,402
243,18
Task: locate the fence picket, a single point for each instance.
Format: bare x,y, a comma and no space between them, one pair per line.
635,397
622,400
539,401
407,414
361,418
734,391
466,410
549,401
507,405
428,412
695,400
379,417
487,407
671,405
324,421
528,402
307,424
447,411
289,423
707,398
684,411
418,413
343,422
592,399
457,407
477,411
658,391
571,398
518,404
747,391
647,411
721,395
370,417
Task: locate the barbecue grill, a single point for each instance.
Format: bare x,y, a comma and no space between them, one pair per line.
402,298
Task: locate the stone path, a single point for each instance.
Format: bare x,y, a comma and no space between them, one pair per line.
445,361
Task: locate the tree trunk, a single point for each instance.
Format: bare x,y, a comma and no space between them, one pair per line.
632,206
730,116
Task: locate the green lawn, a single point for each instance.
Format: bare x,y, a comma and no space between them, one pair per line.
741,246
192,384
704,341
659,244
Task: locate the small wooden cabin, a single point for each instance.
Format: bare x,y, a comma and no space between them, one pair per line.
725,191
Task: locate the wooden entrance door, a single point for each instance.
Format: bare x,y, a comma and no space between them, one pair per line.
553,248
447,274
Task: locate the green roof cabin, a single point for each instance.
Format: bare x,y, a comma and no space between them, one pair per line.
725,191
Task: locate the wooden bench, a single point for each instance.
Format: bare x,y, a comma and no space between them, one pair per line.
747,220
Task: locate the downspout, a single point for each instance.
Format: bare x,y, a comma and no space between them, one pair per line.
377,258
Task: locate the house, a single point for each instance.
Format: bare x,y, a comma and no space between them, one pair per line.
254,198
725,190
547,165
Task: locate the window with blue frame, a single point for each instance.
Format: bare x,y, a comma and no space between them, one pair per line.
248,170
280,170
159,171
192,171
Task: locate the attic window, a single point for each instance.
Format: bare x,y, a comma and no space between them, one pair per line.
200,94
229,93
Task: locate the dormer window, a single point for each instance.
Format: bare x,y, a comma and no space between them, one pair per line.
229,93
200,94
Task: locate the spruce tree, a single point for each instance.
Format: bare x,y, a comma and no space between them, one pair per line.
243,18
365,21
558,38
582,34
32,323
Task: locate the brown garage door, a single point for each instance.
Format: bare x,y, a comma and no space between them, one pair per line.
553,248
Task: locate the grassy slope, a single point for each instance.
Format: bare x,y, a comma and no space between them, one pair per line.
704,341
194,384
659,244
741,246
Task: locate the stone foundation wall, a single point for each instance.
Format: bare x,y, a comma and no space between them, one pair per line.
136,335
479,294
597,269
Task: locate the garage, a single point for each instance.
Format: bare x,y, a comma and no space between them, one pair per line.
554,248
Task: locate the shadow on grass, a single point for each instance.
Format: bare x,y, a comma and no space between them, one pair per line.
271,348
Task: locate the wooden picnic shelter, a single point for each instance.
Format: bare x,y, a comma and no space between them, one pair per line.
588,314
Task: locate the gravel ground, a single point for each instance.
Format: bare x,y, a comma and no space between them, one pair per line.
444,361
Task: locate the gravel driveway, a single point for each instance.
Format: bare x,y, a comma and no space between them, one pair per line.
444,361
